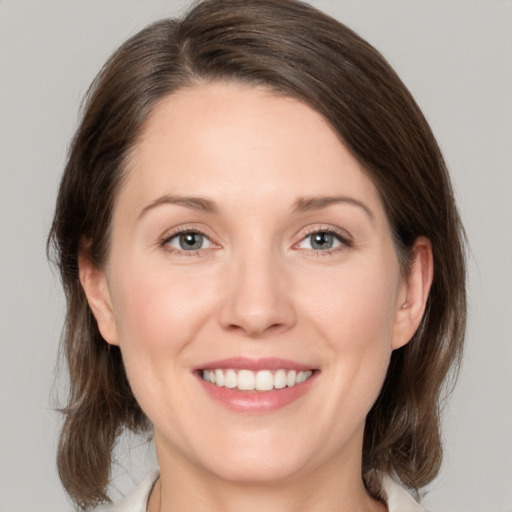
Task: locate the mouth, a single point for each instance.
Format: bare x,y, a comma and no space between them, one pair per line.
262,380
255,386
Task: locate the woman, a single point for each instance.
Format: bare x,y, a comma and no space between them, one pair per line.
264,267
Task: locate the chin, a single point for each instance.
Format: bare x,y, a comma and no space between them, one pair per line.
267,459
256,470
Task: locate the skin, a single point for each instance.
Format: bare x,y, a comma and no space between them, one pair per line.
256,288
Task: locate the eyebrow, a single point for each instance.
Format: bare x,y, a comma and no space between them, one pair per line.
303,204
306,204
194,203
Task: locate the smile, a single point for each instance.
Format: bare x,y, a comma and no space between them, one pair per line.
255,386
262,380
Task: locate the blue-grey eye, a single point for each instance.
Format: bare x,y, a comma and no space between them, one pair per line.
320,241
189,241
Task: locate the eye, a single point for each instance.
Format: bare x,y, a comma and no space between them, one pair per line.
322,240
188,241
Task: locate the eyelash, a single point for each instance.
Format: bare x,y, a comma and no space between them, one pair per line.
345,241
164,243
342,239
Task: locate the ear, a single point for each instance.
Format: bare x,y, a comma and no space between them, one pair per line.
95,286
414,292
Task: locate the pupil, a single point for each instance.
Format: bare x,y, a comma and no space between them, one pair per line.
322,241
189,241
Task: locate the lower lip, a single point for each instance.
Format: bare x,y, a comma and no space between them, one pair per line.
256,401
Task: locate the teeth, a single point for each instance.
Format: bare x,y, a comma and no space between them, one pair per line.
301,377
280,379
245,380
264,380
219,378
230,379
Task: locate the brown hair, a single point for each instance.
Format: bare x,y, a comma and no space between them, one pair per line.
300,52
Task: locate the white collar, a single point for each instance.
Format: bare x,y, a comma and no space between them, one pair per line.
398,499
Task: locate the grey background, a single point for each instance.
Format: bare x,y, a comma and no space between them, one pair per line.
454,55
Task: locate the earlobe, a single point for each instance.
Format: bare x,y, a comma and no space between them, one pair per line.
95,286
413,300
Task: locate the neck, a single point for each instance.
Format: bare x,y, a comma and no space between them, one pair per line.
331,488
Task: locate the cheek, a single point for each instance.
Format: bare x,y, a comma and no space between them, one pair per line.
354,306
354,314
159,312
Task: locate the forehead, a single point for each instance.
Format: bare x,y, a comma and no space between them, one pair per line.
244,144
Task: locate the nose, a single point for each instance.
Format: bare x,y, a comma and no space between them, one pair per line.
258,297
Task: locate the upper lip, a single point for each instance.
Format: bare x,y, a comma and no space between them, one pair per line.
245,363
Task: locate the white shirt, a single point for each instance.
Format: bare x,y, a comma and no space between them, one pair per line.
398,500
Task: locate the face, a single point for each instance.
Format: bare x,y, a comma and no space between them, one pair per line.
248,247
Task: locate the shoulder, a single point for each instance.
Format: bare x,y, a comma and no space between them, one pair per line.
398,499
137,500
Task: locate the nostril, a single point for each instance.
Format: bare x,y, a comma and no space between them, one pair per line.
255,314
255,330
